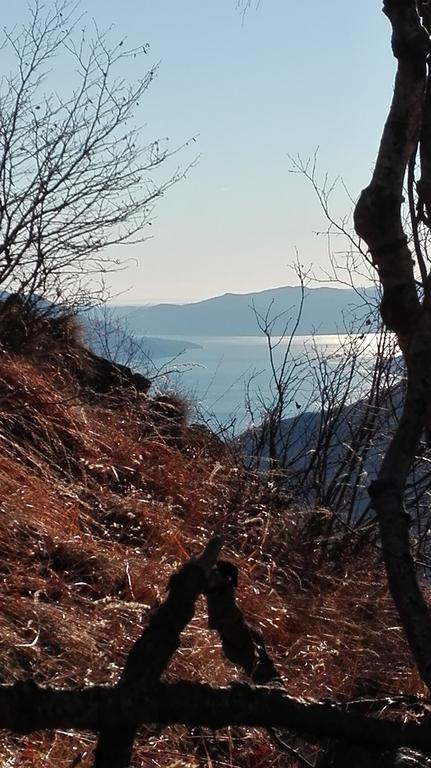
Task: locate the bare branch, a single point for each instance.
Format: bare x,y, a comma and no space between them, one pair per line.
75,175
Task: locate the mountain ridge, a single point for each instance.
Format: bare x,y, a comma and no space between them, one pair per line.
325,310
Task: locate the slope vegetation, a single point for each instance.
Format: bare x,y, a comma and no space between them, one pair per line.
102,497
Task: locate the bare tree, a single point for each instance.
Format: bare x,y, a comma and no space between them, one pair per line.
383,223
75,174
405,306
284,374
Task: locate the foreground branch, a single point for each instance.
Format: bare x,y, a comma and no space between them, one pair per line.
25,707
152,652
116,712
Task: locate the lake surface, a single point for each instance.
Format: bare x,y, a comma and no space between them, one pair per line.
230,379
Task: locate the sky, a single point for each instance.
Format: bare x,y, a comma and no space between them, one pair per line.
287,78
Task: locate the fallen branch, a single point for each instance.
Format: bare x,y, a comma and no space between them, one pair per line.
26,707
116,712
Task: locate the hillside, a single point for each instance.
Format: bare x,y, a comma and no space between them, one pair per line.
334,455
323,312
103,496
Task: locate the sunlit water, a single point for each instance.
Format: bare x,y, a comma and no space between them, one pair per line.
229,378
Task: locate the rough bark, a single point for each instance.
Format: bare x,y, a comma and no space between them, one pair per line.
378,211
378,221
424,183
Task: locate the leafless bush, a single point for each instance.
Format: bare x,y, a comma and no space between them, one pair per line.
75,174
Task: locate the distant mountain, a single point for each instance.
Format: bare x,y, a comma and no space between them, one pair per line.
325,310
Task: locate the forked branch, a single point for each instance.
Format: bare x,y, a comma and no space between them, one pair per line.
139,697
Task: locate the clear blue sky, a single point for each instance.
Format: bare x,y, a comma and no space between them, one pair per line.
292,77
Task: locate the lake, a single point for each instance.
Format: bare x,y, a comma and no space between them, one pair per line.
229,378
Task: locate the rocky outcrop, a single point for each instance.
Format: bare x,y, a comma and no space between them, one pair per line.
102,376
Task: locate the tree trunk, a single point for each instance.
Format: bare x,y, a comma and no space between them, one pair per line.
379,222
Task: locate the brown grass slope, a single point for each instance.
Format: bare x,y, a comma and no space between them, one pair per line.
101,499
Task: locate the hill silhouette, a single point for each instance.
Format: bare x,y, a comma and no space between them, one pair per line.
323,312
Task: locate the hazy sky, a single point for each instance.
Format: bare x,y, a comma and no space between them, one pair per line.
291,77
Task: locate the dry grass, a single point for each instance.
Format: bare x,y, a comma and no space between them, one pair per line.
99,504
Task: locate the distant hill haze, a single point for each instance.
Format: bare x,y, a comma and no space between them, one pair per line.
325,311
